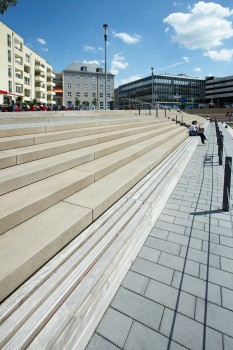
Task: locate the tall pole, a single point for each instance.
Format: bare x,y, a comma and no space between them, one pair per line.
152,88
105,26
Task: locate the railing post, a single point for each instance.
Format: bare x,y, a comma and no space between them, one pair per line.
227,184
220,148
176,119
139,110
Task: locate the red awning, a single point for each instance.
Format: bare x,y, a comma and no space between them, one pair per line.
3,92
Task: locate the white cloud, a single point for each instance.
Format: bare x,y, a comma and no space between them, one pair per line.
88,48
44,49
41,41
197,69
92,62
167,30
222,55
127,38
132,78
204,27
118,62
186,59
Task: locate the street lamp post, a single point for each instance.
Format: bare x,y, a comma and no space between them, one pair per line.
105,26
152,88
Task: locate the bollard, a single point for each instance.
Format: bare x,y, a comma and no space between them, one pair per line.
220,148
176,119
227,184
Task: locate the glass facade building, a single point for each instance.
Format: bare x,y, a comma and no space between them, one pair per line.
168,90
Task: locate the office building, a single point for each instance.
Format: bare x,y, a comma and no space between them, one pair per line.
23,73
165,89
219,91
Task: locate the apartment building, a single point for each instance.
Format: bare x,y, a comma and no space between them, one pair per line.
85,82
22,71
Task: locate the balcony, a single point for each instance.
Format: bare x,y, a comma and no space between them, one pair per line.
39,68
51,93
50,74
39,89
39,78
50,83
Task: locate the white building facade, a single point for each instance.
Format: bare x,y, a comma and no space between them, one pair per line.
85,82
22,71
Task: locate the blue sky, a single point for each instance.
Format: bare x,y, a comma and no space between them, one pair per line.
193,38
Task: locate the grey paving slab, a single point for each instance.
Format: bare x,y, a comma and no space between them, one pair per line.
143,338
188,332
179,264
197,287
99,343
219,277
135,282
115,327
216,317
201,257
149,254
172,298
152,270
138,308
162,245
179,290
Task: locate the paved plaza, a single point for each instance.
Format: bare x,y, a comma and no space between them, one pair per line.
178,293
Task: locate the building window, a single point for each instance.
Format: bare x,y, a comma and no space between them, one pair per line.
69,93
69,85
68,76
77,94
26,81
85,77
78,86
101,87
27,57
10,86
18,75
18,89
93,78
93,86
93,94
85,86
85,94
69,103
108,87
108,79
8,40
77,77
9,56
101,105
9,72
101,94
108,95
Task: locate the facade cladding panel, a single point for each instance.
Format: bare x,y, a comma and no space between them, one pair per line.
167,90
86,83
219,91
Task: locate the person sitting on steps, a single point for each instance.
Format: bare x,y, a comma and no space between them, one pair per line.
194,132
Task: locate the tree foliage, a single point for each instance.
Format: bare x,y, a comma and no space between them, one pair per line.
4,4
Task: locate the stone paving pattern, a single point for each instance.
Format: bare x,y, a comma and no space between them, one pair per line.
178,293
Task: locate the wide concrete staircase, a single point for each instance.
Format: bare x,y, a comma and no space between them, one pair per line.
78,200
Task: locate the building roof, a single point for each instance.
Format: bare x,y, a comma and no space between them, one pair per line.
76,66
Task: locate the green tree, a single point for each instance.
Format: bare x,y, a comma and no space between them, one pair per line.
94,101
19,100
4,4
77,102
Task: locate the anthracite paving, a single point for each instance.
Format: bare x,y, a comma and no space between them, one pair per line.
178,293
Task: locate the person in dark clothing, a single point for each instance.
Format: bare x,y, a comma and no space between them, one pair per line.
193,131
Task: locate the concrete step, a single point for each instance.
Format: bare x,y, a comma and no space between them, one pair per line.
56,310
22,204
26,173
46,136
30,153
